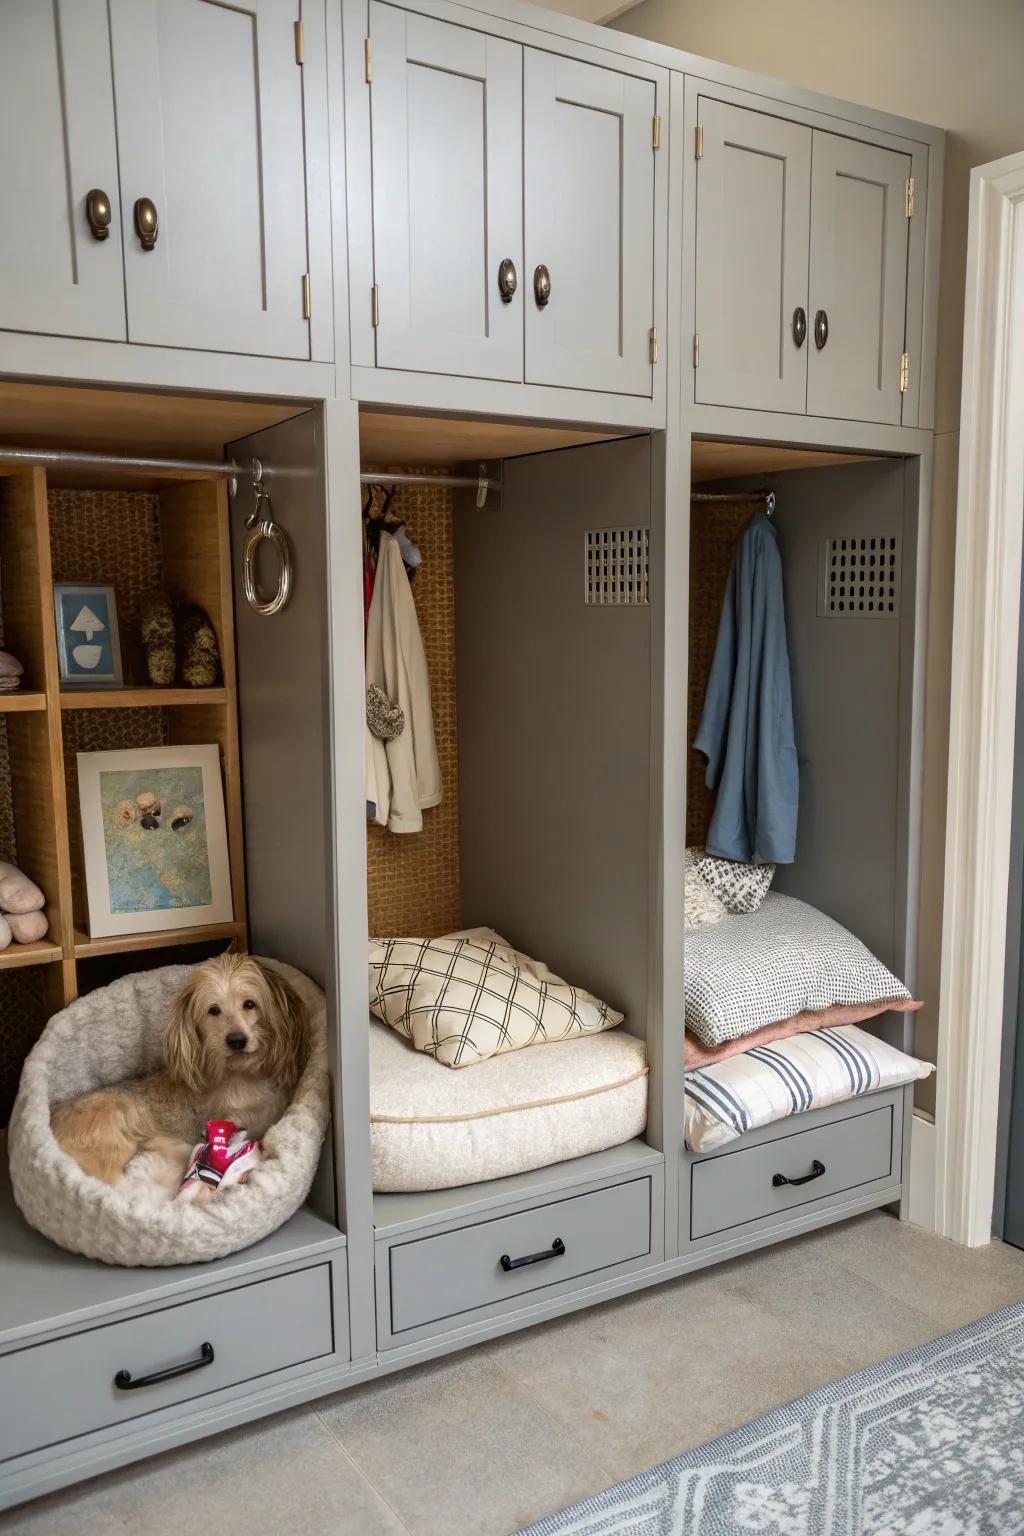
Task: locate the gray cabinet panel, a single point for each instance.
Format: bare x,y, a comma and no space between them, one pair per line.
753,202
589,209
446,113
56,144
858,277
736,1186
68,1385
453,1273
210,127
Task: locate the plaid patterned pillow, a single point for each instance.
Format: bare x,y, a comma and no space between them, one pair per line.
469,996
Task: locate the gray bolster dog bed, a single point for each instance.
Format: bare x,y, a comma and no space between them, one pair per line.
116,1033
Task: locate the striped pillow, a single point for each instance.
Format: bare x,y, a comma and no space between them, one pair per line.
804,1072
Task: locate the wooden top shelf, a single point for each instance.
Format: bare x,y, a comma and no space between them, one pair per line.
121,943
139,698
16,703
42,952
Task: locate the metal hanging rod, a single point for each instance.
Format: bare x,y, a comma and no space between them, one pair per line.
479,483
74,458
768,497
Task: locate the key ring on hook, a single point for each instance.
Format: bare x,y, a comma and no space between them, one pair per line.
261,525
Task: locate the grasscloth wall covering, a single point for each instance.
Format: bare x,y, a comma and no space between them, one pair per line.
413,878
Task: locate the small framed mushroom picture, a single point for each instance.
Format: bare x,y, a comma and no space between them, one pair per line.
154,839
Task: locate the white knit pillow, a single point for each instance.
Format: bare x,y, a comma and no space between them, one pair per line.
469,996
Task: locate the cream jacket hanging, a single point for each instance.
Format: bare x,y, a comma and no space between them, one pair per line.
404,775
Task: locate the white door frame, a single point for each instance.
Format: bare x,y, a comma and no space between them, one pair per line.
983,694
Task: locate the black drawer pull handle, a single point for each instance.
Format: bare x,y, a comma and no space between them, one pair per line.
125,1382
557,1248
817,1169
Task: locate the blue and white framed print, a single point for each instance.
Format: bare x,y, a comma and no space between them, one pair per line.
88,646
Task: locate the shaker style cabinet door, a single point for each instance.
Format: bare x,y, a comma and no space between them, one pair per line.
589,240
446,123
57,145
210,134
753,202
858,283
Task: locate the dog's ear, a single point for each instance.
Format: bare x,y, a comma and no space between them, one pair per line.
182,1047
284,1015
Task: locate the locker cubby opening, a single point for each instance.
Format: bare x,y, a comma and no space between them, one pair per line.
541,704
851,674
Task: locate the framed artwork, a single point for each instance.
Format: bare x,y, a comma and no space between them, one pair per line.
154,838
88,645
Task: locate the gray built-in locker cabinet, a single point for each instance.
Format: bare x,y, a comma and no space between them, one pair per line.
513,209
801,282
208,101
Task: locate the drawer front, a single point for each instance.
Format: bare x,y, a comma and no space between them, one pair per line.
738,1186
67,1387
433,1278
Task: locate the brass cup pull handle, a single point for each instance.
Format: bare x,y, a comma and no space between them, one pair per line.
508,280
820,329
98,213
541,285
799,326
147,224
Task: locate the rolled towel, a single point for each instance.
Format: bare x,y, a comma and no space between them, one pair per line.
17,892
27,927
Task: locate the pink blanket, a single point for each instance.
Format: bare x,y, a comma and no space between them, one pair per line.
698,1055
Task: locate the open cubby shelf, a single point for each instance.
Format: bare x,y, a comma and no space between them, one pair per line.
174,536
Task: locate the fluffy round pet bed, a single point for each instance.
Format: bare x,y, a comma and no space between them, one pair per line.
116,1033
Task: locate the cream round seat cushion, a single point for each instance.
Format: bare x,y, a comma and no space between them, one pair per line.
432,1127
116,1033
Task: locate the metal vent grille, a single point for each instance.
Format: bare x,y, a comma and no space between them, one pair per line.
859,578
617,567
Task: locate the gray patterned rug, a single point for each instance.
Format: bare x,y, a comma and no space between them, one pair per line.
928,1444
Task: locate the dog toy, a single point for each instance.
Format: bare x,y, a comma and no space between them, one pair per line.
224,1158
200,656
156,623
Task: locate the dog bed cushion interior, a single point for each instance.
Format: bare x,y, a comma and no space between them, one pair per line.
434,1129
116,1033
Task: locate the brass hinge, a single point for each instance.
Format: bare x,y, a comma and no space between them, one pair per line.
300,43
904,373
368,59
698,148
375,306
653,339
910,197
656,131
306,306
696,351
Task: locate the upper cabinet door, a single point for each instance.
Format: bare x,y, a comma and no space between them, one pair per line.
57,145
589,205
858,279
446,115
210,132
753,201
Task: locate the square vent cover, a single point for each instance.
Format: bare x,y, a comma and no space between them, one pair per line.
859,578
617,567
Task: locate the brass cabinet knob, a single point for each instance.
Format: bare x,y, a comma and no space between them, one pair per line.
541,285
508,280
98,213
147,225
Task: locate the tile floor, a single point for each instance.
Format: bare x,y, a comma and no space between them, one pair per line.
489,1440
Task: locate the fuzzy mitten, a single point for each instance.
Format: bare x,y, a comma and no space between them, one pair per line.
17,892
27,927
386,720
156,623
200,656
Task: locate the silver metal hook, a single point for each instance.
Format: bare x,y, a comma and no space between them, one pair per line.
261,525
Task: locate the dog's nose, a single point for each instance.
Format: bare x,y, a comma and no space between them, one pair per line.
236,1042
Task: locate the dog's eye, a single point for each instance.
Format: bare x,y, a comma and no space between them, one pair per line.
248,1003
214,1011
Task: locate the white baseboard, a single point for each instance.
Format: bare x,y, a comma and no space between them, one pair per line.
922,1173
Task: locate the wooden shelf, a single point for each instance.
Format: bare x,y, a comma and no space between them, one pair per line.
122,943
42,952
139,698
17,703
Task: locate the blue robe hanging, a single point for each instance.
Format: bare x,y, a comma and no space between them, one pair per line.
746,730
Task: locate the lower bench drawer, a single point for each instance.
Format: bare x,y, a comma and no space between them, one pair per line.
455,1272
70,1386
778,1175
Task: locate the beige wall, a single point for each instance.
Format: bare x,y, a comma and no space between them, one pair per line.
951,62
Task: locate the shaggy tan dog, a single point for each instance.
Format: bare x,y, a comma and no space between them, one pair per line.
234,1048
